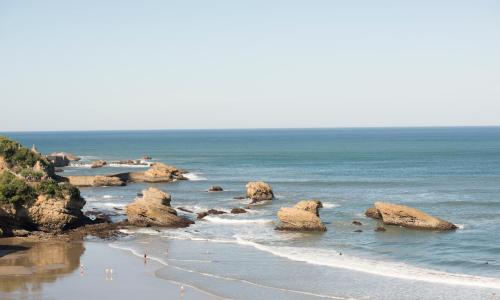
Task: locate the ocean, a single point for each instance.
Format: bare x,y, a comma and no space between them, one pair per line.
452,173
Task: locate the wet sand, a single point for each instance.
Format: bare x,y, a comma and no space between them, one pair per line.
81,270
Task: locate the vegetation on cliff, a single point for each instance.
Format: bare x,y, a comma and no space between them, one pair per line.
14,190
19,157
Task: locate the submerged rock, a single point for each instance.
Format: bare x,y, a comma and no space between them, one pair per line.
357,223
401,215
304,216
380,229
153,209
259,191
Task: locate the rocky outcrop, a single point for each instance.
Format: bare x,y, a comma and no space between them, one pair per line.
94,181
400,215
52,214
259,191
304,216
153,209
58,161
46,213
68,156
215,188
158,172
98,164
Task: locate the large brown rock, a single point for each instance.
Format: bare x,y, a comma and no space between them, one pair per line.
304,216
259,191
405,216
99,180
153,209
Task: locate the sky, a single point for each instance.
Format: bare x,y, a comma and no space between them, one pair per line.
109,65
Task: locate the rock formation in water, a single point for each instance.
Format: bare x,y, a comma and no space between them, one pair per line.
153,209
158,172
400,215
259,191
98,164
304,216
94,181
215,188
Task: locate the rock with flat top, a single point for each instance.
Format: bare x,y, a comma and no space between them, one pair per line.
304,216
405,216
153,209
259,191
95,181
215,188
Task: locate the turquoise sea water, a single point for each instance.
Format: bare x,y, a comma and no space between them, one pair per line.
453,173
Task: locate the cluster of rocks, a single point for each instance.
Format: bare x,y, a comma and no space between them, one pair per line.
152,206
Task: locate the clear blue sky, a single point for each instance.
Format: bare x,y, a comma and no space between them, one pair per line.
90,65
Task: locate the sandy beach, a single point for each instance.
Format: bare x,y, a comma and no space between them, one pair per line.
77,270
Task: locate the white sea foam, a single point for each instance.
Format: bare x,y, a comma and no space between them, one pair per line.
389,269
329,205
165,262
194,176
220,220
107,196
116,165
80,165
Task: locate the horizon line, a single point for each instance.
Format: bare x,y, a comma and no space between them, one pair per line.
254,128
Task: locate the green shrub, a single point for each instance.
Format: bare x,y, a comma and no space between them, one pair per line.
31,175
17,155
14,190
57,190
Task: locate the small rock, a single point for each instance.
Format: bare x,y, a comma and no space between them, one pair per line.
202,215
184,209
58,170
216,212
215,188
147,157
98,164
359,230
380,229
140,195
356,223
237,210
238,198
